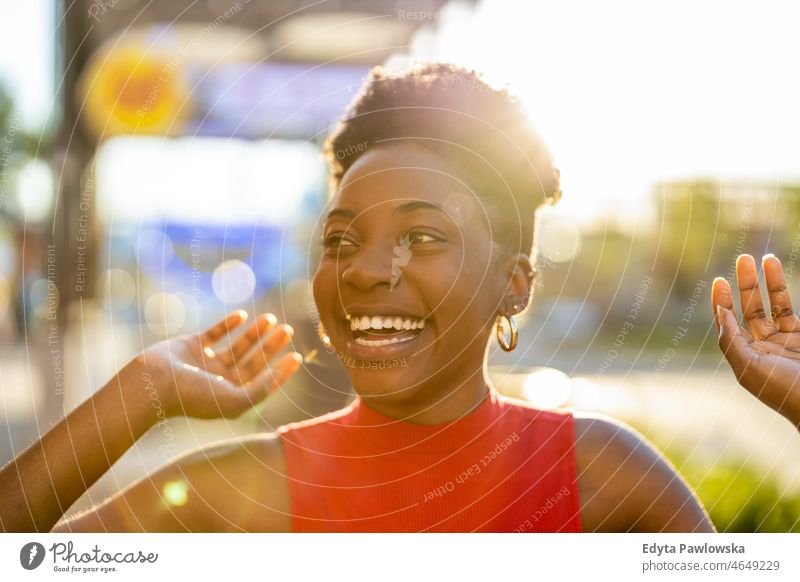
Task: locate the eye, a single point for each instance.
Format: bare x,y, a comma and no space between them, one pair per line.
419,237
336,241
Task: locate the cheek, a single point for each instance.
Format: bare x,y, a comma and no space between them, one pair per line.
323,288
475,293
462,292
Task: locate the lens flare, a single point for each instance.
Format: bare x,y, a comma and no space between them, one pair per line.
176,493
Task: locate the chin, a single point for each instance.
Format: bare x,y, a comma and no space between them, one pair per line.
385,385
384,371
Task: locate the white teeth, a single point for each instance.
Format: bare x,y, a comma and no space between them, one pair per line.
382,342
365,322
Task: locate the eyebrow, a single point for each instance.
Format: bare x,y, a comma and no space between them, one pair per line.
403,209
419,205
341,212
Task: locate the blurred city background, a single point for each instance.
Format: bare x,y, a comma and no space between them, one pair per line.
160,165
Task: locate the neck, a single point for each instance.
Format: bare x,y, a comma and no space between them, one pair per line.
437,406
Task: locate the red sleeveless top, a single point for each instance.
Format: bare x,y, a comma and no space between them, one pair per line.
505,467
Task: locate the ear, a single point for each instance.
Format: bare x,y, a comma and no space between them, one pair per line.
519,289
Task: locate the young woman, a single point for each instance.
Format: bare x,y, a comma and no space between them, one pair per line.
427,257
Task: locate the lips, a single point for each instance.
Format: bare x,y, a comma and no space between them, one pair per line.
376,339
381,334
376,346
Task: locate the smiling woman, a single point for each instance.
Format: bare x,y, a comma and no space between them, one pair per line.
453,168
450,181
428,250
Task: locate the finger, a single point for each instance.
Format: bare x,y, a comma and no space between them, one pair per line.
268,381
780,302
218,331
270,378
735,342
240,347
721,294
265,351
755,317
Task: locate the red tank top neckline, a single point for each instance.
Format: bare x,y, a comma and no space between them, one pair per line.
393,434
503,467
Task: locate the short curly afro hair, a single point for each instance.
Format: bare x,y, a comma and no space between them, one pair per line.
484,132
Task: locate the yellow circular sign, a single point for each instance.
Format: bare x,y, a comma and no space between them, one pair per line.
128,90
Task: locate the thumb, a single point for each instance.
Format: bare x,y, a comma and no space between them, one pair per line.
733,340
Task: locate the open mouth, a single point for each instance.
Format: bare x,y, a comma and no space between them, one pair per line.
383,330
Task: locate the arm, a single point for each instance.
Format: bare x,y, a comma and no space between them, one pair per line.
237,485
45,480
179,376
626,485
766,357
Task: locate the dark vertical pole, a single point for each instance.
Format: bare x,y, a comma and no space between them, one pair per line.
74,228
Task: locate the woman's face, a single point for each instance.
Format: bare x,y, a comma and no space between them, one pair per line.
410,282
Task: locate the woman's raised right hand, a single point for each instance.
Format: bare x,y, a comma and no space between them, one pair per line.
191,378
765,357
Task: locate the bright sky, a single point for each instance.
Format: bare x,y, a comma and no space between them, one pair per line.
626,93
27,57
629,92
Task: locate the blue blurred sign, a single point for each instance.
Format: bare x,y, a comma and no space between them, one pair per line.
270,99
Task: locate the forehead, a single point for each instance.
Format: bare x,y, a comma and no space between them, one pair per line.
389,175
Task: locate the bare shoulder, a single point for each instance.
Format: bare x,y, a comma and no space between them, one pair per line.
244,481
625,484
234,485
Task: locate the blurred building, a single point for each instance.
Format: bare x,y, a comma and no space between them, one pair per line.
182,180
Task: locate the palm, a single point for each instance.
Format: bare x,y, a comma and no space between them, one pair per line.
766,356
205,383
785,344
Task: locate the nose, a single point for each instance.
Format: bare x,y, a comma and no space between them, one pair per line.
369,267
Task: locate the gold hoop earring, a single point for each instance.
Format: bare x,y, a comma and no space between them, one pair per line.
507,347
